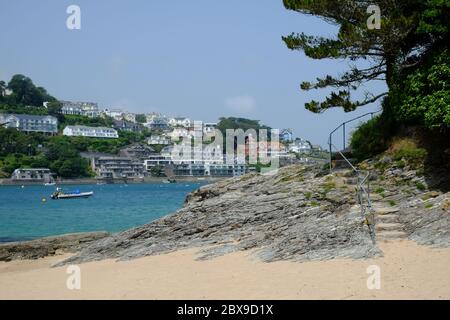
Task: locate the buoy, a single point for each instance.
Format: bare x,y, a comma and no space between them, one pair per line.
43,199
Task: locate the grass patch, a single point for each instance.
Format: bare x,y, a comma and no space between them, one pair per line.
400,164
329,186
379,190
420,172
420,186
314,204
392,203
308,195
382,166
406,149
428,205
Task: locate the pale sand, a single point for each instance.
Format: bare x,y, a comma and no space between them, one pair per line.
407,271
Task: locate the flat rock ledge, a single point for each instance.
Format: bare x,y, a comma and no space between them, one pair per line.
48,246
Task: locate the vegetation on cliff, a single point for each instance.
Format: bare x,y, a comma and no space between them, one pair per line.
409,52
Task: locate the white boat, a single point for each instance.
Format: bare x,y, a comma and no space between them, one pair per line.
61,195
49,184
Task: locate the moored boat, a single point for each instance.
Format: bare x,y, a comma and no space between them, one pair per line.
62,195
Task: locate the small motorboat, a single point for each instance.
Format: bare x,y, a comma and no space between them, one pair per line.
58,194
49,184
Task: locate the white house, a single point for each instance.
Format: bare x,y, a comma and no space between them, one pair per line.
180,122
116,114
152,115
88,109
30,123
159,123
130,117
180,132
157,139
37,175
93,132
209,127
300,146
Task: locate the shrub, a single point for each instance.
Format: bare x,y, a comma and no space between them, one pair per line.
405,149
420,186
400,163
424,96
415,154
371,138
379,190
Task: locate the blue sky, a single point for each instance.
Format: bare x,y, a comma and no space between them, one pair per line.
202,59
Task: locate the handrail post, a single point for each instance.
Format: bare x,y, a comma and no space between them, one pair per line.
329,144
343,135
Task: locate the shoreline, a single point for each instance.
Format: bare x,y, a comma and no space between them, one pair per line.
43,247
408,271
9,182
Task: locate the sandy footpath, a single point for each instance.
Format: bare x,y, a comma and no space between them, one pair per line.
407,271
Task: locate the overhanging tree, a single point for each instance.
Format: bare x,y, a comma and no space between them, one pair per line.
410,29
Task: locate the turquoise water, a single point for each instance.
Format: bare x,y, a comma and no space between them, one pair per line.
115,207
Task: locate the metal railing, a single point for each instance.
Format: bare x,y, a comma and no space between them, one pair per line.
363,195
344,138
362,176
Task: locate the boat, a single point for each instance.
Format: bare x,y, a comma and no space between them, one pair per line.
50,182
58,194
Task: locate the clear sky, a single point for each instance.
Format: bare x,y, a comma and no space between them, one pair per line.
201,58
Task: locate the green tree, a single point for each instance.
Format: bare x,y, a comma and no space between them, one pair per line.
54,109
24,92
2,90
141,118
423,96
74,168
410,29
239,123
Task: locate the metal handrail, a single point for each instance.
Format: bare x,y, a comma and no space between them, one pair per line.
342,125
363,177
365,205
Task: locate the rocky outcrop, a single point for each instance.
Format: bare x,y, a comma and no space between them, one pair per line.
426,219
300,213
48,246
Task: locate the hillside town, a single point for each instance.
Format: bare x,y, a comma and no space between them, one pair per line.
155,156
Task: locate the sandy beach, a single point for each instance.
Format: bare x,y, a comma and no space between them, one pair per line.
408,271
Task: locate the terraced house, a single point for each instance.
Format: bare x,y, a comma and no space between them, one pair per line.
30,123
88,109
117,168
93,132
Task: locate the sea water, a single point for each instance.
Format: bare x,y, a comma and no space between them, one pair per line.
28,212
